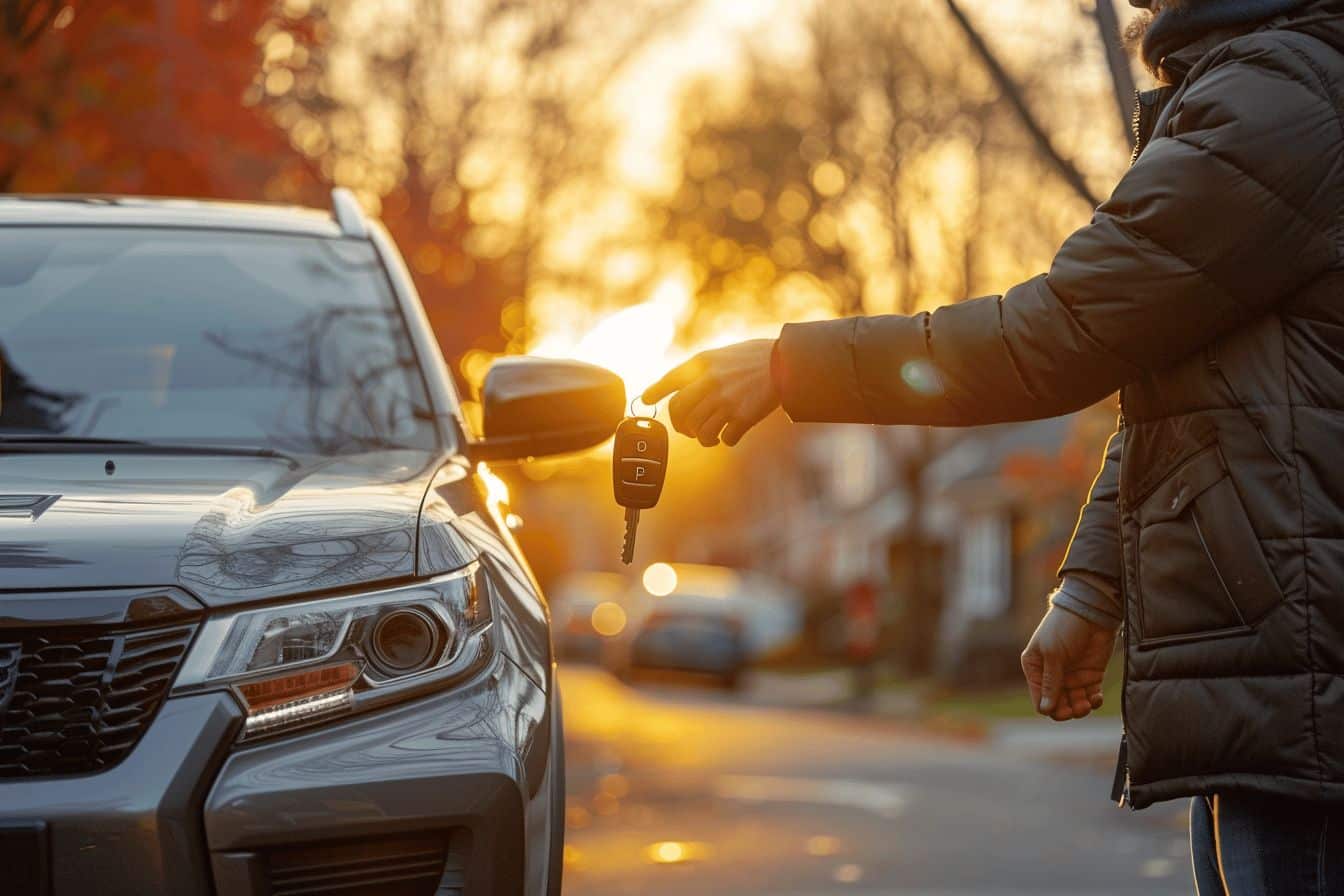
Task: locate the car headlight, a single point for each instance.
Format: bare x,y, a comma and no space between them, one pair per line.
296,663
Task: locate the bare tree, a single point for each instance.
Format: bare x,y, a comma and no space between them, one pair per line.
464,122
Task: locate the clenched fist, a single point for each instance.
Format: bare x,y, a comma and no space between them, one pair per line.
720,393
1064,663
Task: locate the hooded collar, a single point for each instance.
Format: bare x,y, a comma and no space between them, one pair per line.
1202,23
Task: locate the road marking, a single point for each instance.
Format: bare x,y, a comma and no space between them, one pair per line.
868,796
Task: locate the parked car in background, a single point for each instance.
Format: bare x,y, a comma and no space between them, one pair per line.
688,638
707,620
263,629
575,613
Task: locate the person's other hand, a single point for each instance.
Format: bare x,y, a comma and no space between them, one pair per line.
1064,663
724,390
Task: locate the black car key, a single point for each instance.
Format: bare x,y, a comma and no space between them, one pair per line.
638,468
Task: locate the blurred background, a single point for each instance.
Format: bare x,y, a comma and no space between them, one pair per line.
808,681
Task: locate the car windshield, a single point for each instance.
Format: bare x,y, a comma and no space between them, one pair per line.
292,343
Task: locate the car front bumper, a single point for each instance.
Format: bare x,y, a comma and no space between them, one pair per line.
189,811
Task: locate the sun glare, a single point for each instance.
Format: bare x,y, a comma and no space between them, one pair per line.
638,343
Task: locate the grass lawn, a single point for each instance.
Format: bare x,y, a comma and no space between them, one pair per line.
1009,702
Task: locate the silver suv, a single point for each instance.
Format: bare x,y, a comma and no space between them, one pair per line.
263,628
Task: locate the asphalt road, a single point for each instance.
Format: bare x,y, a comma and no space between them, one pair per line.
685,791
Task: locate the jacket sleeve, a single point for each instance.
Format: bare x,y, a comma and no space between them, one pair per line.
1213,226
1094,550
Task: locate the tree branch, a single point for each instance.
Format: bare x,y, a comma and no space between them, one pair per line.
1117,60
1063,166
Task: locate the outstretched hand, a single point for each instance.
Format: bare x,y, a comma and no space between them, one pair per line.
720,393
1064,664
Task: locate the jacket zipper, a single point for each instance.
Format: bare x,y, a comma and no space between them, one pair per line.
1120,785
1136,125
1147,106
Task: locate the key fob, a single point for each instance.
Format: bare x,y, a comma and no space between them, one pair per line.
639,462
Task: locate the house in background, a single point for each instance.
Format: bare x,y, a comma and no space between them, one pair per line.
960,593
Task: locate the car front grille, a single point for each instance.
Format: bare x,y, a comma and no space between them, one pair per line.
430,864
74,701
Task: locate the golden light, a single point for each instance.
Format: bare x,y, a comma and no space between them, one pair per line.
577,818
828,178
636,343
823,845
660,579
608,619
672,852
496,489
615,786
667,852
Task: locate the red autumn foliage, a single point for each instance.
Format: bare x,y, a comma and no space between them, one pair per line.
137,97
146,97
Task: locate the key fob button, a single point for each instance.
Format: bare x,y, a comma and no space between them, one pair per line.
640,469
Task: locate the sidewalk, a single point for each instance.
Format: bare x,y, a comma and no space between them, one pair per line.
1081,739
1088,739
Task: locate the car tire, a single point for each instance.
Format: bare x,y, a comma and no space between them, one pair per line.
556,861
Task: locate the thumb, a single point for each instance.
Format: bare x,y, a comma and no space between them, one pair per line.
1052,674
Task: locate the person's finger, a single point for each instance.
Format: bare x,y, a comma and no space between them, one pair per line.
736,429
674,380
713,425
1031,671
1052,674
1087,682
1073,704
686,409
694,419
742,419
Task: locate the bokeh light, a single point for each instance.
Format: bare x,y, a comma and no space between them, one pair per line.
674,852
609,619
660,579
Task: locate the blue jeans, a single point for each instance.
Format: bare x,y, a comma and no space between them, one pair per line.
1244,844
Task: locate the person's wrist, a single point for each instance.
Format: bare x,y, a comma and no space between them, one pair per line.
1069,603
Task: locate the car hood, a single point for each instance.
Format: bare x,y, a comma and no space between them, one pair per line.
227,529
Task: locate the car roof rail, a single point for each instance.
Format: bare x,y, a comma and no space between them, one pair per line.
349,216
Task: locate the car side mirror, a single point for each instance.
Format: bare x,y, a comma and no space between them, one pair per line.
537,406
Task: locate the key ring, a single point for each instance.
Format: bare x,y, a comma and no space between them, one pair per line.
631,408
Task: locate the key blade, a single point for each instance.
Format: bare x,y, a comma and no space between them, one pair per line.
631,524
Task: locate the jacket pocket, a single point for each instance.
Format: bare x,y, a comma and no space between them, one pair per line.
1202,573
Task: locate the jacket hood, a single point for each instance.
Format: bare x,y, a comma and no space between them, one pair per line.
226,529
1179,37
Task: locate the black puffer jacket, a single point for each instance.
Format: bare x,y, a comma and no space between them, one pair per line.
1209,288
